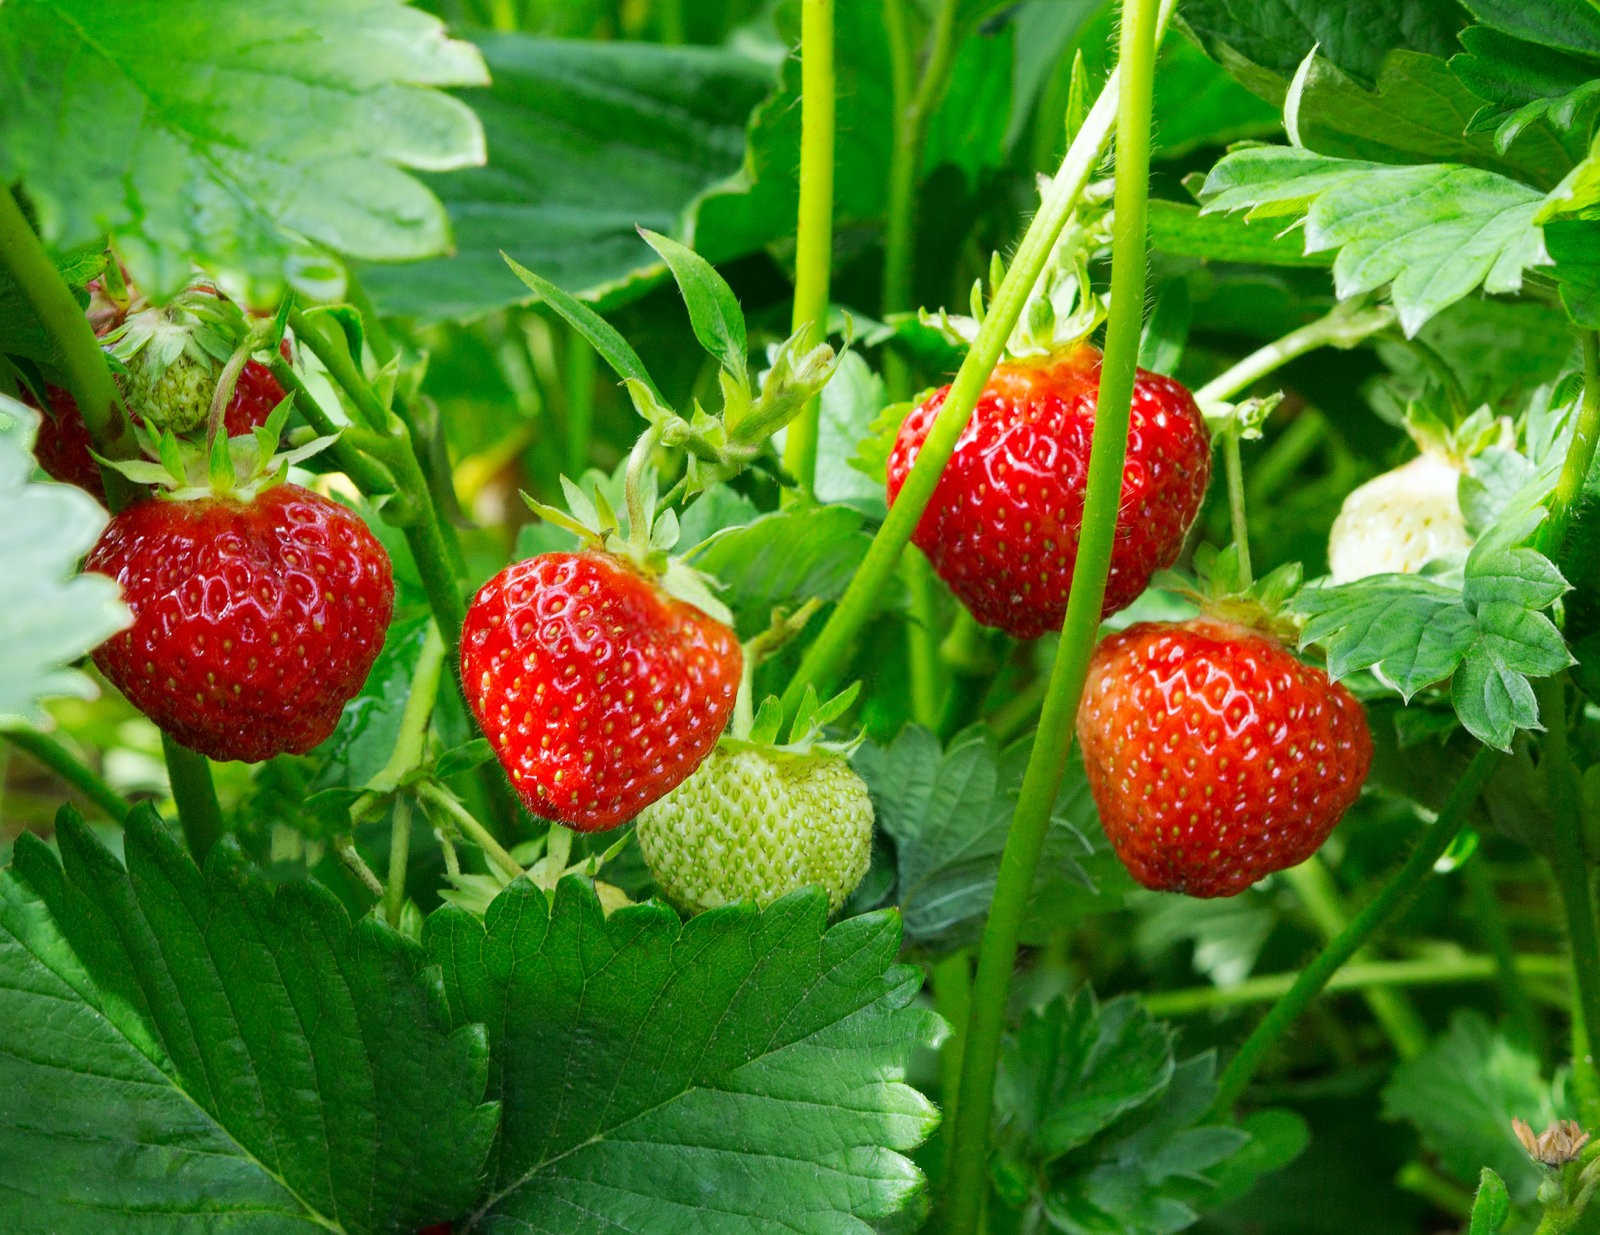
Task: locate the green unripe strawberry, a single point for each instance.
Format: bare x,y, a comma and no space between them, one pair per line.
756,823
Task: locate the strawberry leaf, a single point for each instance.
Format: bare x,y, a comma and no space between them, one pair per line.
602,336
52,615
1491,1206
1531,62
720,1075
1434,232
1462,1093
713,309
241,138
202,1050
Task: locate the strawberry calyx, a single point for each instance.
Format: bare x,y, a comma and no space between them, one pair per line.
238,468
1456,443
759,729
1220,591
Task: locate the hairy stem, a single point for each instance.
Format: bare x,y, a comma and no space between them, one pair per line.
1237,513
88,376
471,828
1379,910
1025,840
922,640
813,257
199,814
394,888
826,656
53,755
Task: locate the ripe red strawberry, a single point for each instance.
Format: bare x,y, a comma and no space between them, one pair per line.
1215,756
1002,528
254,620
598,691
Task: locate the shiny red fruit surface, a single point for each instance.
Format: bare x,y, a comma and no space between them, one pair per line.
254,622
1214,756
1002,526
598,691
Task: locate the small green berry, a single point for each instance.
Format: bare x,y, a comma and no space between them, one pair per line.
756,824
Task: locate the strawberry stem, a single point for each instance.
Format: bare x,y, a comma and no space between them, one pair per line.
969,1150
470,827
1343,326
1391,898
53,755
814,232
88,376
227,383
394,888
825,658
199,814
1237,513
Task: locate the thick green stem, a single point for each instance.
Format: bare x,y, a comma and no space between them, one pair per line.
199,814
1341,327
1573,877
1314,885
914,100
85,364
1356,976
813,255
1581,451
951,980
1389,900
1024,842
71,769
828,652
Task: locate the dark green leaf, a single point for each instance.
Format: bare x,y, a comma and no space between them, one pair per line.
365,737
1183,231
200,132
188,1052
52,615
1531,62
1462,1094
720,1075
586,141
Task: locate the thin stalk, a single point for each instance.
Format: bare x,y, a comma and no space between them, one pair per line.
1513,991
1573,880
63,318
914,100
1339,328
199,815
1012,717
826,656
813,255
345,847
1236,506
1391,898
53,755
344,368
394,888
475,831
922,640
378,337
1314,885
1019,861
370,476
1356,976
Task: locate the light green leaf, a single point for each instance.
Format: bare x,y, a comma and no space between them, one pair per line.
1491,1206
1436,232
586,140
193,1052
851,401
713,309
233,135
1463,1092
602,336
52,614
1412,629
739,1072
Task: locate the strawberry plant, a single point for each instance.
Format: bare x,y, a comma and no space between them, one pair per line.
778,615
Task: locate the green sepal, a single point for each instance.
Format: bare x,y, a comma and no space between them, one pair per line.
714,311
1245,418
1217,586
560,518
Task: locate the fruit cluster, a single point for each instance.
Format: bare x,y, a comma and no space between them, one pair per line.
605,685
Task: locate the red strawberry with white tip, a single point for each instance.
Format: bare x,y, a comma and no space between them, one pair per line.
1002,527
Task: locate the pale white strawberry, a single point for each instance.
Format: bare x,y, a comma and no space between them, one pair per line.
1400,521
